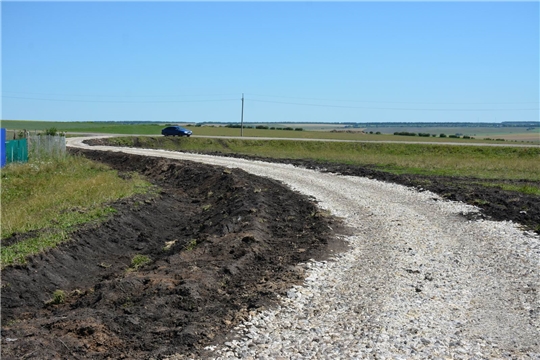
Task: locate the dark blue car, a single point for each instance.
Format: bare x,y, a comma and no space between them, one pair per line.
176,131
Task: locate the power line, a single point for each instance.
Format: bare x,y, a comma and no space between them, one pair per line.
377,108
270,96
115,96
119,101
398,102
276,102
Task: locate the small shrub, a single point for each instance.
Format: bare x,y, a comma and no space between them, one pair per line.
52,131
288,128
191,245
298,129
59,296
139,260
378,133
453,136
442,135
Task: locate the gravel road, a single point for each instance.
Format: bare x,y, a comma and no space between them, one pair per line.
420,281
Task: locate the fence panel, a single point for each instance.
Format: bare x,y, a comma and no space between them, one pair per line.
43,146
16,151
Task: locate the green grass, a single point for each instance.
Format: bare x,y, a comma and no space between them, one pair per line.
51,198
524,189
139,261
474,161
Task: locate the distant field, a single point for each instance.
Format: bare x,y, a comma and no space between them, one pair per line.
311,131
509,133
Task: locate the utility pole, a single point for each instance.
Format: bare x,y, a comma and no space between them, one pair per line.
242,118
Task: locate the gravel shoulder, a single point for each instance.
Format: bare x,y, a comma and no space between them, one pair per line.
420,280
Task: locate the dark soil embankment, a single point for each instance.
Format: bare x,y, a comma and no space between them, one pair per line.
221,243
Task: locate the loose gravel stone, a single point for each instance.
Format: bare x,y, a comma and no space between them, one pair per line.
420,281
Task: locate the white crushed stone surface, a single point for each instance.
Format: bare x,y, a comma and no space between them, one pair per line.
419,281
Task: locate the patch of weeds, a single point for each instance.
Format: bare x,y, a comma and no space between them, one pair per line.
11,322
58,232
59,297
206,207
127,303
18,252
139,261
191,245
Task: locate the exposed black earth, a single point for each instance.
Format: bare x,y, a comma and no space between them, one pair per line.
220,244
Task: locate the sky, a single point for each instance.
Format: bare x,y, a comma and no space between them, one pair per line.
293,61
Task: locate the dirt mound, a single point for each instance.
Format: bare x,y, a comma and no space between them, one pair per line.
219,244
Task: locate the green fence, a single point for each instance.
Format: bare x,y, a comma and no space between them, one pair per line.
16,151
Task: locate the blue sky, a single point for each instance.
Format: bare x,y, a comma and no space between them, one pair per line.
295,61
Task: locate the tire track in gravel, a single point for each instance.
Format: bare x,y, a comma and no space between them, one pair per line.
420,281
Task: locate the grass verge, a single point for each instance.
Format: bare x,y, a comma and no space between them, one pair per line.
50,199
